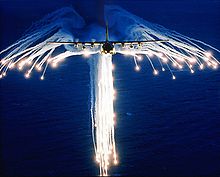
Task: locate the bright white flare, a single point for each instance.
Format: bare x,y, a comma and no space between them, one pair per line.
102,110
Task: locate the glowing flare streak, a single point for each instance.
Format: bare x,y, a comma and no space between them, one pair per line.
103,112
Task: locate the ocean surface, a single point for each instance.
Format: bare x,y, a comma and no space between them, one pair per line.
164,127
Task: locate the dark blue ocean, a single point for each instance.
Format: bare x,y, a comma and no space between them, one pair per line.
164,127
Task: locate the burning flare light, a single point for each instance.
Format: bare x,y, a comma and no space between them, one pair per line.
33,52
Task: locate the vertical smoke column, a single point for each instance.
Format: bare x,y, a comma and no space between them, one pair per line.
102,111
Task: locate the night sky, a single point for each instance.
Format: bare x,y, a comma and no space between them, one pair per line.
164,127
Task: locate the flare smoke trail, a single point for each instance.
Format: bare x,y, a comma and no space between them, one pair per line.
102,112
32,52
179,52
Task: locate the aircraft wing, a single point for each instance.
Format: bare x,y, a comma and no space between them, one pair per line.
138,42
99,43
79,43
113,42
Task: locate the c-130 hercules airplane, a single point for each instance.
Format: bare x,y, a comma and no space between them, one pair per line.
107,46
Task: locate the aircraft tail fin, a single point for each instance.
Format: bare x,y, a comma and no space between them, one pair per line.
106,30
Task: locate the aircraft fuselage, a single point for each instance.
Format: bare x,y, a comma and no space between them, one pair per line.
108,47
